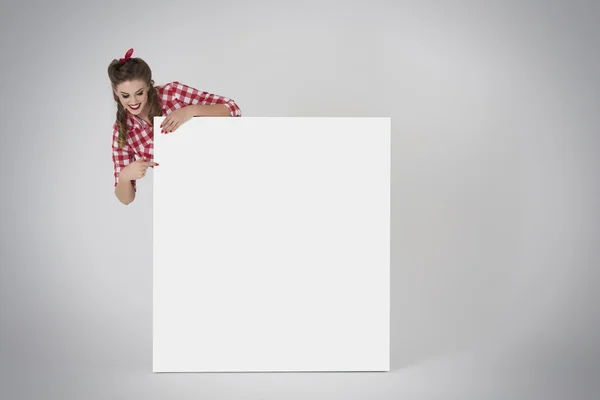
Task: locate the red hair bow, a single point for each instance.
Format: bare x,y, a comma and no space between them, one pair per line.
127,55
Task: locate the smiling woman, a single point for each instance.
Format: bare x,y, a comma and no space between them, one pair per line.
138,102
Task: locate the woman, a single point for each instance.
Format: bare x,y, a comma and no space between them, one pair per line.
138,102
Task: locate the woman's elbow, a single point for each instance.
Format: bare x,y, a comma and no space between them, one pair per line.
123,200
234,109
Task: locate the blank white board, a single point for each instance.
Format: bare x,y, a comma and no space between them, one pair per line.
272,245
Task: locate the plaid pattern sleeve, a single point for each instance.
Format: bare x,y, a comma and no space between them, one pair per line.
121,157
191,96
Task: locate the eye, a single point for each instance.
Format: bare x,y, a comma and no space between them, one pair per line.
126,95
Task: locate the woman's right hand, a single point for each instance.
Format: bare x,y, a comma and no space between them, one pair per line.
136,170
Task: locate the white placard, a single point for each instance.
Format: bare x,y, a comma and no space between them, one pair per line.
272,245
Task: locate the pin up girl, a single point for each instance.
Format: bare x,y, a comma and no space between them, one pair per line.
138,102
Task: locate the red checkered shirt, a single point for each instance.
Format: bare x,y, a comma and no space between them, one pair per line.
140,134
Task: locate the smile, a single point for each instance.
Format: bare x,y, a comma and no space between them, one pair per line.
136,106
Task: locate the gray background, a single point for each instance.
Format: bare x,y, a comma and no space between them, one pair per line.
494,187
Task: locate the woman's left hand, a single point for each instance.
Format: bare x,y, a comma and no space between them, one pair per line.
176,119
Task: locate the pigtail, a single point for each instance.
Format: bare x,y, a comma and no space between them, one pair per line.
121,124
154,101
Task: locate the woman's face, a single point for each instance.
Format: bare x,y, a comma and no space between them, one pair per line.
133,96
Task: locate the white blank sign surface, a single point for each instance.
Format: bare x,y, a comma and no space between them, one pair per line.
272,245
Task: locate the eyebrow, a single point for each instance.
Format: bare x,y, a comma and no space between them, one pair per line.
136,92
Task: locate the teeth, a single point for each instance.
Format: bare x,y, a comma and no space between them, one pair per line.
136,106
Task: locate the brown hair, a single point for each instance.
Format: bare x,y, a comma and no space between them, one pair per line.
123,71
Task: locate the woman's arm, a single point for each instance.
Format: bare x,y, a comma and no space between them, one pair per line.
210,110
204,104
122,157
124,191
